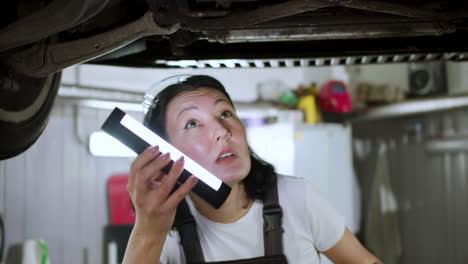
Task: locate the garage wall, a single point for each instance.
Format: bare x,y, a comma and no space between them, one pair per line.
428,167
57,191
2,188
240,83
457,73
2,194
395,74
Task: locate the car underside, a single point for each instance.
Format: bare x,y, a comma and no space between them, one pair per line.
38,39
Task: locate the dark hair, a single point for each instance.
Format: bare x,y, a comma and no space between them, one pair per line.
261,175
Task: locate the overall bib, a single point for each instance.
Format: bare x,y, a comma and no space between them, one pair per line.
272,214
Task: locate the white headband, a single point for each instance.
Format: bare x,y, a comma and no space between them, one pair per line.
150,94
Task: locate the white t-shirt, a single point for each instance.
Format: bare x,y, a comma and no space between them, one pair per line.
309,222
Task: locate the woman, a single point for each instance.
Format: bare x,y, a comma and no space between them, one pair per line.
267,218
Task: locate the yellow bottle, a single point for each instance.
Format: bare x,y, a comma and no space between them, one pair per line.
308,105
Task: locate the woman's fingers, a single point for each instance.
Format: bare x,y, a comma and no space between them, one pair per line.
152,170
140,162
172,200
152,186
175,198
144,158
170,180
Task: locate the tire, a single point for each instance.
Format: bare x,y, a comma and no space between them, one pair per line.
25,106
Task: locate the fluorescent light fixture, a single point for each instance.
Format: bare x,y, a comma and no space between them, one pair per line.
155,140
230,64
179,63
214,64
101,144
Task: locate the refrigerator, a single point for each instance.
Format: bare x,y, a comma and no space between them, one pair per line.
319,153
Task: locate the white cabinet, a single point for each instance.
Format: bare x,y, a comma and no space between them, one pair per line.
319,153
323,156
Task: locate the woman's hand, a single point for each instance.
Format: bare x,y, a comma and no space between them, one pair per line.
155,206
150,189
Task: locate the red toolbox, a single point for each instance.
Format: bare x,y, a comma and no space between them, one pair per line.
120,204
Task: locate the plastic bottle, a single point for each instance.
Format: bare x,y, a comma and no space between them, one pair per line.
307,103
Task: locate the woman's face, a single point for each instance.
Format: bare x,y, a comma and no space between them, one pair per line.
198,122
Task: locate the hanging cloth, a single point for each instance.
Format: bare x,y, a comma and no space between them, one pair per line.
382,231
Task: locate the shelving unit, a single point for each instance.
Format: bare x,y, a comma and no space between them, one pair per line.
413,107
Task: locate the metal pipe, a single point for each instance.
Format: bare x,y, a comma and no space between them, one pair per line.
43,59
97,93
332,32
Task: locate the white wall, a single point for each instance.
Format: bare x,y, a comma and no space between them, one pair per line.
2,203
457,77
2,193
2,188
395,74
320,75
240,83
57,191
